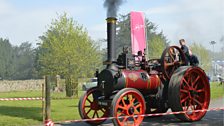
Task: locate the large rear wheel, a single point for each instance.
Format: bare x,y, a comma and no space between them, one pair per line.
89,107
127,104
189,91
172,58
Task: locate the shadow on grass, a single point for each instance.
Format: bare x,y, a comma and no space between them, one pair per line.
22,112
73,106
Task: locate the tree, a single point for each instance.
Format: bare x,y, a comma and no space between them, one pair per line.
24,57
123,36
156,45
6,59
203,56
67,50
17,62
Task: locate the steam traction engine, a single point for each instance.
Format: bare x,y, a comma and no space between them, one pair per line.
131,85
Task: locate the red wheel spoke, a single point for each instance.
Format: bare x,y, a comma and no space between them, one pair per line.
139,105
201,90
190,81
123,102
119,114
137,112
125,119
97,115
121,107
88,100
94,114
88,111
183,100
199,103
171,56
88,106
196,86
135,120
184,91
132,101
199,98
193,83
186,82
186,106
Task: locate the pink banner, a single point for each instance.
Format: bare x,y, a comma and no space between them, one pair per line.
138,40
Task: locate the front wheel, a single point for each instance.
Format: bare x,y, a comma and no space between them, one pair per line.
89,107
127,104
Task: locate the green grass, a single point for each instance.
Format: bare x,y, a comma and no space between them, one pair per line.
21,113
65,109
18,94
217,91
26,113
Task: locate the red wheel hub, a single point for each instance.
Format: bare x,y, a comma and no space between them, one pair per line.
94,105
131,111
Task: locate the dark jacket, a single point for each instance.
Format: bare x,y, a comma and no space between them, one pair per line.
186,52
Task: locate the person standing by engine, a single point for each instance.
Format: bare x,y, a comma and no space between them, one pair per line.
185,49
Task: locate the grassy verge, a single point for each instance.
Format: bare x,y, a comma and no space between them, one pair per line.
26,113
217,91
21,113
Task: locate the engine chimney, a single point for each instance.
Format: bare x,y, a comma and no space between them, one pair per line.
111,35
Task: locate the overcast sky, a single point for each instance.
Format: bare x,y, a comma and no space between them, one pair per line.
198,21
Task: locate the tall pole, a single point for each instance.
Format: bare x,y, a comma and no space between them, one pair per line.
213,56
47,98
43,100
222,50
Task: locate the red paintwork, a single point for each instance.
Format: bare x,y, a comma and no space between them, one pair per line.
134,79
154,82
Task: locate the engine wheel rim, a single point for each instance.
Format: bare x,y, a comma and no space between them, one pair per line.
128,106
91,109
194,94
171,59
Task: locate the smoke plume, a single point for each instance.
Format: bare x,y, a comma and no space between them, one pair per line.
112,7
